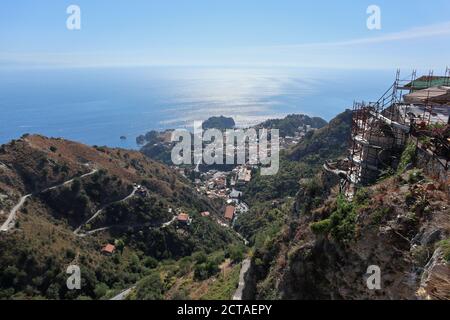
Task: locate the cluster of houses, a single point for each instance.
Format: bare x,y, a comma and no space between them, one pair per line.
218,184
222,185
288,141
241,176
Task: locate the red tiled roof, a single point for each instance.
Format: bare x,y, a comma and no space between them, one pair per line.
229,212
183,217
109,248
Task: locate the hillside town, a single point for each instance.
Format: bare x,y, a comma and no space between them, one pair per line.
228,185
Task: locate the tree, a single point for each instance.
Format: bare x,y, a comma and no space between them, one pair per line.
76,186
151,288
200,257
100,290
120,245
236,253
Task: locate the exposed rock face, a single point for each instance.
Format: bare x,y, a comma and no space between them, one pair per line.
435,282
398,227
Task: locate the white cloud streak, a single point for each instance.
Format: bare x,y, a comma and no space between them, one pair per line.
435,30
346,53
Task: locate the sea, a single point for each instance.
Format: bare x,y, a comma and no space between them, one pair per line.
98,106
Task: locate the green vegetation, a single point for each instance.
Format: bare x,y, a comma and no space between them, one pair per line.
284,184
158,151
407,158
321,227
199,261
362,196
264,221
199,276
289,125
415,176
220,123
205,270
76,202
310,195
380,213
236,253
302,162
421,255
149,137
34,259
342,222
225,286
33,271
151,288
329,142
445,245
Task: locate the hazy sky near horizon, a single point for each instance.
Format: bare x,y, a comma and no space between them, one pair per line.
226,32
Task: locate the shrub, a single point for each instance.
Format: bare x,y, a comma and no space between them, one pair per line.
205,270
321,227
236,253
415,176
408,157
150,262
151,288
380,213
100,290
362,196
200,257
70,254
445,245
343,221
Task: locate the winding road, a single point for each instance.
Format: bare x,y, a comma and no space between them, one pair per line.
77,231
88,233
10,221
71,180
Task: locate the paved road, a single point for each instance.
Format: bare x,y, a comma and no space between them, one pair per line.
240,289
88,233
165,225
76,232
10,221
70,181
123,295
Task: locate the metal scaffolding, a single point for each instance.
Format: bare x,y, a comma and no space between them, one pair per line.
381,129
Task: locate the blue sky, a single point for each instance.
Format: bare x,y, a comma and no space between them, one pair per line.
226,32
